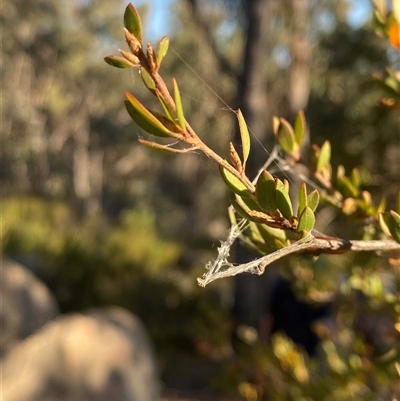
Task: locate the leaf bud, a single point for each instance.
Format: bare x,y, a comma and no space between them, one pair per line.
130,57
133,42
151,57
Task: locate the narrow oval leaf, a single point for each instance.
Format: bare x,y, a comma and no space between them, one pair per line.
170,125
281,244
306,220
394,225
241,208
285,136
253,233
147,80
382,206
245,136
132,22
313,200
232,216
144,118
252,203
390,224
275,125
118,62
162,50
398,203
283,200
324,156
233,183
341,172
300,127
286,185
265,192
383,222
178,104
355,177
303,201
346,188
168,112
270,234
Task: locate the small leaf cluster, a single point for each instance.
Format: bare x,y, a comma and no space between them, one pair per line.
171,123
345,191
273,224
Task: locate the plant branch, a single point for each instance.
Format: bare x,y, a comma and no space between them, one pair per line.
308,244
189,135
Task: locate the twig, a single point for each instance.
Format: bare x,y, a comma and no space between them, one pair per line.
309,244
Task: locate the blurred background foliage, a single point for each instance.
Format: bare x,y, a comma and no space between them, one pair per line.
104,221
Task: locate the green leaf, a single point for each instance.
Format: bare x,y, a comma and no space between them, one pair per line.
383,222
244,133
394,225
382,206
285,136
254,233
241,207
281,244
232,216
270,234
275,124
366,203
390,224
147,79
300,127
118,62
346,187
257,241
356,178
162,49
324,156
178,104
144,118
313,200
341,172
303,201
398,203
306,221
132,22
252,204
168,112
265,192
233,183
283,200
169,124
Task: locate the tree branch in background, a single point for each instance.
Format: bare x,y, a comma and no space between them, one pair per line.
224,63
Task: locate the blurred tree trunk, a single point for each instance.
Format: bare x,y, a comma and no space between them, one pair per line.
300,50
251,87
259,99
